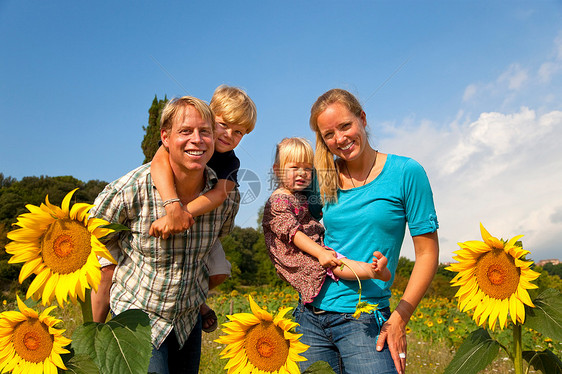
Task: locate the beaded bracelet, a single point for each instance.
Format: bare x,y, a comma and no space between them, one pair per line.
170,201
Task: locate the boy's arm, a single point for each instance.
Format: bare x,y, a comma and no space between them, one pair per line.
100,299
211,199
178,218
326,257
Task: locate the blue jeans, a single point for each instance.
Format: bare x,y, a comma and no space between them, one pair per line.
169,359
347,344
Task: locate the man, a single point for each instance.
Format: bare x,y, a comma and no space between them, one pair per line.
166,278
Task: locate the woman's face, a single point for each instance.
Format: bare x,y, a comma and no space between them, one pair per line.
343,132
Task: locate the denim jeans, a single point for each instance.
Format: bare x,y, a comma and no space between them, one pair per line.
169,359
347,344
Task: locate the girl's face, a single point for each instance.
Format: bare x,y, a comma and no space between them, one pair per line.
296,176
343,132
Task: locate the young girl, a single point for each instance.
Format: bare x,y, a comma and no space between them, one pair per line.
295,240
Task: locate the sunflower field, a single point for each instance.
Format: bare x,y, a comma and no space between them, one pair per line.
435,331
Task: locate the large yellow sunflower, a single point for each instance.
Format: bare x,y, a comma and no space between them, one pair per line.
29,342
61,246
493,279
259,343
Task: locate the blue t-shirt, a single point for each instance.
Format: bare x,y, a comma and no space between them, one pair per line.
372,218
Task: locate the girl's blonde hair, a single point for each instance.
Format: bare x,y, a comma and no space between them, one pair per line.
326,169
293,150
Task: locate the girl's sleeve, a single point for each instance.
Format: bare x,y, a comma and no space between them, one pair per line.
418,200
283,220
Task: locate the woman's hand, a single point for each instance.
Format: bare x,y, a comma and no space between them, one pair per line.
393,332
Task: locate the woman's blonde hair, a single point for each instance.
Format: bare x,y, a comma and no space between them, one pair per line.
326,169
293,150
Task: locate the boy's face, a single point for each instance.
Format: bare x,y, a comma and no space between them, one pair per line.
228,135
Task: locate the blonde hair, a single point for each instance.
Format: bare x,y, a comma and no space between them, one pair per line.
234,106
175,110
293,150
326,169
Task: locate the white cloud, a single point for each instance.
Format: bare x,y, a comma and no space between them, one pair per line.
469,92
503,170
515,76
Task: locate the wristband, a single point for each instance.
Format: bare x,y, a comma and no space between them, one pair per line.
170,201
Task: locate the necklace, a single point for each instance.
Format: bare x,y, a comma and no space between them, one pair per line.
367,176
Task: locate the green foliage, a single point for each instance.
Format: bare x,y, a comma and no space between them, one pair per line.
545,361
553,269
122,345
245,249
319,367
546,316
474,354
149,143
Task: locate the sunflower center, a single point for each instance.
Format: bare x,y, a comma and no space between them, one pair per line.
32,341
66,246
497,274
266,347
63,245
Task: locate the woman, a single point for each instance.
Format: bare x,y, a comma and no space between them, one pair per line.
368,198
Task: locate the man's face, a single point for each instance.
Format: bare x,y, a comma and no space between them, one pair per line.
190,141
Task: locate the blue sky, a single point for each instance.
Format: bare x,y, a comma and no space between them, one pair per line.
470,89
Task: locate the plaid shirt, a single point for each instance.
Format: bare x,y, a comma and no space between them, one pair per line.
168,279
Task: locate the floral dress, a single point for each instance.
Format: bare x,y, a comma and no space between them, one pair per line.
283,216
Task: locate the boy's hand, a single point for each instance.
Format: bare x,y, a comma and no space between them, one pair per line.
176,220
328,259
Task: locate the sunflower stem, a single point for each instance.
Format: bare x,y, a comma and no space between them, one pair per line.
86,306
356,276
517,349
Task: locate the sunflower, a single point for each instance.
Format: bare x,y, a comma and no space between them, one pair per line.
493,279
29,342
259,343
59,245
364,307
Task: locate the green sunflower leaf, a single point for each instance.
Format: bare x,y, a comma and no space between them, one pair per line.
477,351
81,364
546,316
122,345
545,361
319,367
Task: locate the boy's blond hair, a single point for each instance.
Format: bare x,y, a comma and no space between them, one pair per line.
234,106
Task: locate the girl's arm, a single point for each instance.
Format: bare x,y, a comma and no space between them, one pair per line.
393,331
178,218
211,199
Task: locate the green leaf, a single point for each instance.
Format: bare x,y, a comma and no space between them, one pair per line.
545,361
546,317
122,345
477,351
319,367
116,226
81,364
